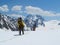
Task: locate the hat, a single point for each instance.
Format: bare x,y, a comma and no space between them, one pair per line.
20,18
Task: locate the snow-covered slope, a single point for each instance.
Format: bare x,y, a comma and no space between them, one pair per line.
39,37
50,25
48,35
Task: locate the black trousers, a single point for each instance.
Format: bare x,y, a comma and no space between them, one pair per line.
21,30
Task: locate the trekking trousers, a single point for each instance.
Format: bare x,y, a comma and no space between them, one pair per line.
21,30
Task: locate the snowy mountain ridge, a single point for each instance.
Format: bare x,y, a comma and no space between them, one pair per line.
6,22
31,19
11,23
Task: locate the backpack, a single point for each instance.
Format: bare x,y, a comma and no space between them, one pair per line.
20,24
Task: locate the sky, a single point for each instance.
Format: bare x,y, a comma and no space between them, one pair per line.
49,9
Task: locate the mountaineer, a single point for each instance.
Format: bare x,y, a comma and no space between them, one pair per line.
20,26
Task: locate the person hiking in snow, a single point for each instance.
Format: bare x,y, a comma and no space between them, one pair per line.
20,26
34,26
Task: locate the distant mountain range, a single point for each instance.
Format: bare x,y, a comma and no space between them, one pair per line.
31,19
7,22
11,23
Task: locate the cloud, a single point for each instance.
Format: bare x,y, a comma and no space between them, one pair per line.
16,8
4,8
38,11
15,15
